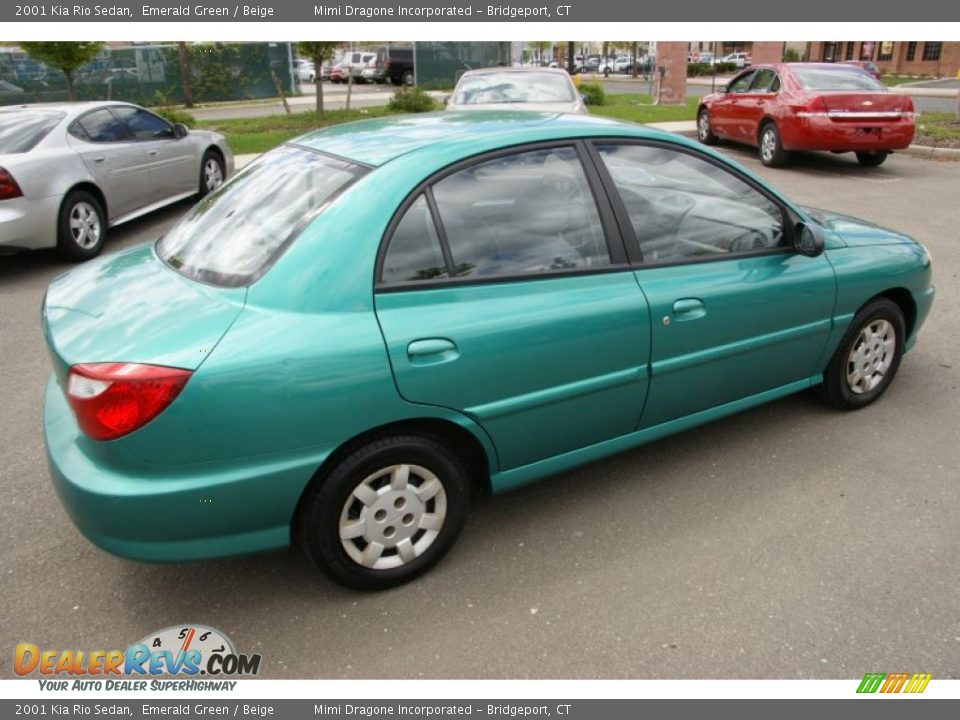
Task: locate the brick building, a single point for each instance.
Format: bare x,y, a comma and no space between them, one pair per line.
940,59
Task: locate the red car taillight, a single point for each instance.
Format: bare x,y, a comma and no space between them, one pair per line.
816,107
113,399
8,186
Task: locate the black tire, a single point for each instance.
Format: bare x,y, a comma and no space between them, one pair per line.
606,72
207,185
836,388
704,132
407,78
774,155
330,498
872,159
77,243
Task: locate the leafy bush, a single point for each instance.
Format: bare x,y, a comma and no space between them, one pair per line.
176,116
411,100
698,69
593,93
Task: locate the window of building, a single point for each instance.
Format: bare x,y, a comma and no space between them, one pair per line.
886,50
911,51
830,52
931,50
848,55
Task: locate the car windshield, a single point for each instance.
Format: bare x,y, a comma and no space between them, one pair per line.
231,237
21,130
837,79
513,87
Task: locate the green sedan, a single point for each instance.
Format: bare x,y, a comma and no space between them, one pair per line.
375,321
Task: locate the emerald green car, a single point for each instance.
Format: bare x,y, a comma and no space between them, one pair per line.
372,322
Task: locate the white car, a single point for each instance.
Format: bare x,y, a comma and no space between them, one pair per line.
68,171
502,88
619,65
305,70
740,59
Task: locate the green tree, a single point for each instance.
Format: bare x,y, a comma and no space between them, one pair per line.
319,53
65,56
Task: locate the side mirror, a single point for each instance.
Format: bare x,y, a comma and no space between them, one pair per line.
807,240
180,130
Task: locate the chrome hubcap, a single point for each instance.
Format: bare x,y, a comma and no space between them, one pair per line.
768,144
85,225
392,516
212,175
704,126
871,356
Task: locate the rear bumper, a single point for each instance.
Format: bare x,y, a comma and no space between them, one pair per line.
822,133
28,224
170,513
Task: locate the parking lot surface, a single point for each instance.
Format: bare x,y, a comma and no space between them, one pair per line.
789,541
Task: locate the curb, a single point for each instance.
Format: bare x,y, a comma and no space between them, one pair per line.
926,151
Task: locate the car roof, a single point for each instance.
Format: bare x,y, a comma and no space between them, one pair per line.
376,142
72,109
511,69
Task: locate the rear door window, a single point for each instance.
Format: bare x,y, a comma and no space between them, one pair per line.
414,253
231,237
102,126
527,213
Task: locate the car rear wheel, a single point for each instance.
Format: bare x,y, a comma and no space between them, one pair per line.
704,133
387,513
772,153
872,159
82,226
212,173
408,78
867,357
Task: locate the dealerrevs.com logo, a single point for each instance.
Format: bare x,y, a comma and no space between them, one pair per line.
179,651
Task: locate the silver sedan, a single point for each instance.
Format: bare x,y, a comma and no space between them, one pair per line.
506,88
68,171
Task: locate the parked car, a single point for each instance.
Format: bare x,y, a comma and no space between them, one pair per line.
396,64
372,71
808,106
305,70
865,65
70,171
500,88
356,62
738,59
325,71
337,73
530,292
618,65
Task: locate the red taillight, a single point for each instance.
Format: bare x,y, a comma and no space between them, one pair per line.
8,186
815,107
113,399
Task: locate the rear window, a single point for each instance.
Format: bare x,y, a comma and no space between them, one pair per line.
21,130
231,238
514,87
850,79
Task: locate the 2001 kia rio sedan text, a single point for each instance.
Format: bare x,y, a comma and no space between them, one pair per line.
529,293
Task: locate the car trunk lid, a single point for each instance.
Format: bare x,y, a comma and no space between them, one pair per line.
861,106
131,307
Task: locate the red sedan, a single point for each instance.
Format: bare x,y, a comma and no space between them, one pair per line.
808,106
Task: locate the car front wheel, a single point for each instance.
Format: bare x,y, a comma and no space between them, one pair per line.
408,78
211,173
82,226
704,133
868,356
387,513
872,159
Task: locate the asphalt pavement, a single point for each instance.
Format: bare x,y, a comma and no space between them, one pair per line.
789,541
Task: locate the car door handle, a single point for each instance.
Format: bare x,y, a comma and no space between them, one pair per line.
99,159
432,351
151,152
689,309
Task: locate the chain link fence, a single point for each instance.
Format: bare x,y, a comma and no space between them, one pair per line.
150,74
